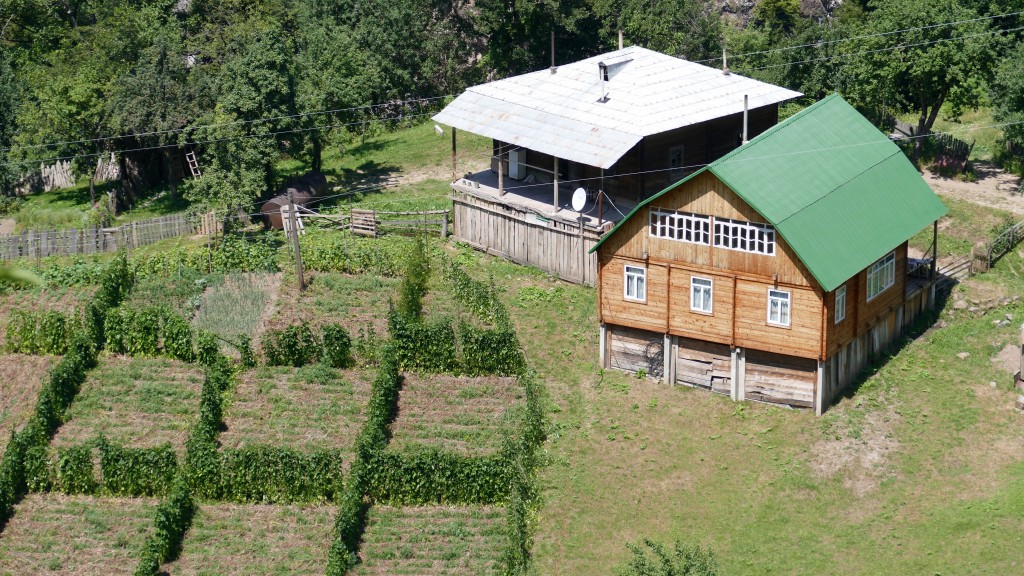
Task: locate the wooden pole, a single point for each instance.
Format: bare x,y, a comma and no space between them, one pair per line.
600,202
454,163
935,248
554,172
295,241
501,175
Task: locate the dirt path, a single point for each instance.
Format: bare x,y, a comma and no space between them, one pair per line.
7,226
994,188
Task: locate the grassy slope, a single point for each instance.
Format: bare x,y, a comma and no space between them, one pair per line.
920,471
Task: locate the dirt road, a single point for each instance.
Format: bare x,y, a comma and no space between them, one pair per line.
993,188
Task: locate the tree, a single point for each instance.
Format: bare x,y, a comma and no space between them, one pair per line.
919,70
689,28
1007,95
8,115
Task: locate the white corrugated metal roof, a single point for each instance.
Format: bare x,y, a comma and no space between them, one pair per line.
562,114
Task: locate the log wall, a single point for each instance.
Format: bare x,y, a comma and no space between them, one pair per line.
780,379
704,365
634,350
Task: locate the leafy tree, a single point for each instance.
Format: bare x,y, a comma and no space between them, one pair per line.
688,28
8,114
518,32
919,70
1007,95
655,560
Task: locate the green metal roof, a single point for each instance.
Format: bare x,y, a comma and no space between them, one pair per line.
835,188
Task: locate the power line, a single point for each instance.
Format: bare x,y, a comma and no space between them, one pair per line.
887,49
820,44
223,124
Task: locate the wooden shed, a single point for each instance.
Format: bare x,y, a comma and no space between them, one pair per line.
776,272
620,125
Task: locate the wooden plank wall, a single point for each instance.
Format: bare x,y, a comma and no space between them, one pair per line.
780,379
634,350
704,365
555,247
91,240
861,315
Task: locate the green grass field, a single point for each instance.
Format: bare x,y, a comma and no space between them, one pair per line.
256,540
55,534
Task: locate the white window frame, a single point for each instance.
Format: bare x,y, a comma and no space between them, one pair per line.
676,166
635,273
784,299
681,226
745,236
705,287
840,304
881,275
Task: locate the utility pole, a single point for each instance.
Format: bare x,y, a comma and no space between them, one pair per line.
295,241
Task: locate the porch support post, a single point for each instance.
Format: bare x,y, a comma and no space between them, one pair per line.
501,174
666,355
935,264
737,375
555,173
819,390
602,357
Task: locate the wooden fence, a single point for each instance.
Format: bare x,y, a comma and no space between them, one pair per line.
985,257
93,240
374,222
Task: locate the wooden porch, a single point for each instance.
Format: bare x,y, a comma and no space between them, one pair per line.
534,223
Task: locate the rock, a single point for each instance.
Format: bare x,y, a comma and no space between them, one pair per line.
963,355
1004,323
995,322
992,384
1009,317
960,305
942,324
974,309
1020,402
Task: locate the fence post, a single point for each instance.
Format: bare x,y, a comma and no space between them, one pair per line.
444,225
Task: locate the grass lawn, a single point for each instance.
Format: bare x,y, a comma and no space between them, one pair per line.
21,378
919,471
464,415
256,540
69,207
56,534
973,126
313,407
433,540
961,228
135,402
357,302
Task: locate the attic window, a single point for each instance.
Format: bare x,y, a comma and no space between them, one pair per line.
683,226
745,236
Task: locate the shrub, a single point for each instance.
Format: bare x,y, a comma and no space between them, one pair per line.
207,348
292,346
136,471
173,519
337,346
48,332
681,561
414,283
423,346
245,351
433,476
74,470
490,351
280,475
177,337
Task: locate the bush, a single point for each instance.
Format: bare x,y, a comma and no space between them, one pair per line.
414,283
48,332
74,471
330,252
490,351
136,471
280,475
292,346
173,519
433,476
424,346
680,561
337,346
245,351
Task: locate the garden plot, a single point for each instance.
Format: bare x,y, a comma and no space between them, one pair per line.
239,305
433,540
469,416
255,539
313,407
357,302
56,534
21,379
135,402
60,299
181,292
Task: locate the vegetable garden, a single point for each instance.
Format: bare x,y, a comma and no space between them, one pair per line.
372,425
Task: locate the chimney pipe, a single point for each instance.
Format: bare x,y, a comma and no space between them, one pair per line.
620,38
725,64
744,118
553,67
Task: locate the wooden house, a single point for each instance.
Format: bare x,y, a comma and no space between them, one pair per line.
620,126
776,272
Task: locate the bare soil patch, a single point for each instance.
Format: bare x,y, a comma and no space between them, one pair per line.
7,226
861,460
314,407
80,535
465,415
994,188
21,378
135,402
253,539
433,540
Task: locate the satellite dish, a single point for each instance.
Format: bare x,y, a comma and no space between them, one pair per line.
579,199
439,130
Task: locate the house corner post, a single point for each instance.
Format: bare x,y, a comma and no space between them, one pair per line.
819,390
738,375
666,355
602,355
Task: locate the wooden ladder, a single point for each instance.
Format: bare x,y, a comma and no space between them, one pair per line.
193,163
